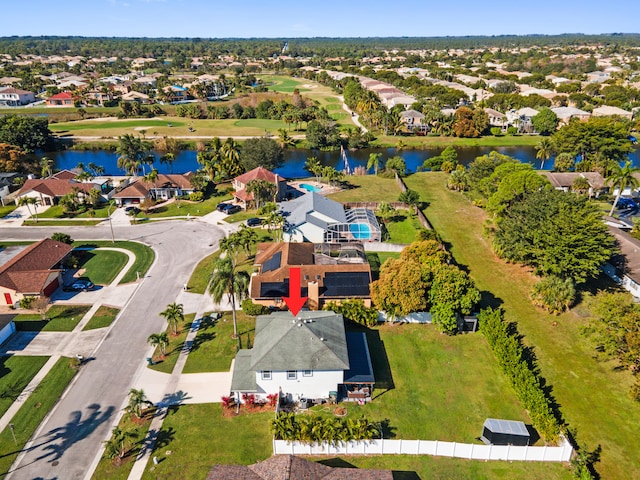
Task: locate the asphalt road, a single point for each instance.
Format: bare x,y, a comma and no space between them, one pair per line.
67,441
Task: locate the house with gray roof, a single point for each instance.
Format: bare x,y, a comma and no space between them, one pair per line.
317,219
305,356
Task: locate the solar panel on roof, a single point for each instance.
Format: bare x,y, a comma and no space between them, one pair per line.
273,263
274,289
338,284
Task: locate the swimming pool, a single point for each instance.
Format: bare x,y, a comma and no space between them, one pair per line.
309,188
360,231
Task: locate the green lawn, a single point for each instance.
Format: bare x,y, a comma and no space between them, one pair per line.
184,208
144,255
241,216
265,124
403,227
101,266
283,83
33,411
15,374
56,211
377,259
103,317
202,273
109,469
7,209
61,223
369,188
213,348
198,436
592,394
166,364
110,124
61,318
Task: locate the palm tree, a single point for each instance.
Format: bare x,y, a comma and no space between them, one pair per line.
133,153
168,159
174,315
159,340
118,444
227,280
621,178
230,156
262,190
374,162
28,201
286,140
46,165
544,151
137,399
151,177
314,167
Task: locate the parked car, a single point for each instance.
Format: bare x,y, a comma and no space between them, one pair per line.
254,222
230,209
222,206
79,286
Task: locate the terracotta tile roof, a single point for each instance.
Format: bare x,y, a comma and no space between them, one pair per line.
243,195
28,271
141,188
135,190
55,187
61,96
290,467
258,173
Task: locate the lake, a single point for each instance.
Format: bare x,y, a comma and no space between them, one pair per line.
294,159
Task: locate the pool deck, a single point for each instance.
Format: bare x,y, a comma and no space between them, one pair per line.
323,188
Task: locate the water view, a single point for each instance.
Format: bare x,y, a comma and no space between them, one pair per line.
294,160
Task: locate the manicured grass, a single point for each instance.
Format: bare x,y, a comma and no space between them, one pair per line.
202,273
213,348
103,317
144,255
488,141
7,209
15,374
241,216
56,211
592,393
113,124
184,208
61,318
403,227
61,223
101,266
283,84
166,364
377,259
263,123
109,469
198,436
35,408
369,188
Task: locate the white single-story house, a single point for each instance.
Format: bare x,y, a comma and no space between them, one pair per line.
304,356
166,186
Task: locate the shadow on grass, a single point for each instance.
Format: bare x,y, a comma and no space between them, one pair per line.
342,463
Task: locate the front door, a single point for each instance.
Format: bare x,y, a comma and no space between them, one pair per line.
7,299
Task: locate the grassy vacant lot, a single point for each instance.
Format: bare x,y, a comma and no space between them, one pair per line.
15,374
34,409
144,255
61,318
199,436
369,188
108,469
213,348
103,317
592,394
102,266
166,364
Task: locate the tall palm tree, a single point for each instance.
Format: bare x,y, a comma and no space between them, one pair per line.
374,162
226,280
133,152
159,340
544,150
46,164
118,444
27,202
621,178
174,315
314,167
230,153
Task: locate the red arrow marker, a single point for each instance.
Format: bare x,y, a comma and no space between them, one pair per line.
294,301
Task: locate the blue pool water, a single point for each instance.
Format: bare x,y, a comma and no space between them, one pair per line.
360,231
309,188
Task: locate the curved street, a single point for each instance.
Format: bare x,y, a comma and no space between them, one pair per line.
66,442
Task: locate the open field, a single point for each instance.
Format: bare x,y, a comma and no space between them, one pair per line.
33,411
60,318
15,374
592,394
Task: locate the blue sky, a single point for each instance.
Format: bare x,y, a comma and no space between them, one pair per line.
323,18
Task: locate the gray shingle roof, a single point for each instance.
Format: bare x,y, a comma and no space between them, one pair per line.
301,209
311,341
244,377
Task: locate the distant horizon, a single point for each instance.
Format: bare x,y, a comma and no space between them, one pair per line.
330,19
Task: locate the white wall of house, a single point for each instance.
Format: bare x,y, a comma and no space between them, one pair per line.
311,232
44,199
631,286
316,385
9,296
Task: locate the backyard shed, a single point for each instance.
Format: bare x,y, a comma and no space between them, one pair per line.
504,432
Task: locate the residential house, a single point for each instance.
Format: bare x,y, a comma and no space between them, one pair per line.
62,99
317,219
241,182
522,118
565,114
34,270
49,190
98,97
166,186
565,180
609,111
307,356
290,467
134,96
412,119
496,118
625,267
328,273
6,182
15,97
176,93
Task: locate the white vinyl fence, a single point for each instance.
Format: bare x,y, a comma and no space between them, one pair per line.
429,447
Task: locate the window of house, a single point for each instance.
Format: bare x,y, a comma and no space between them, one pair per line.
292,374
307,373
266,375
